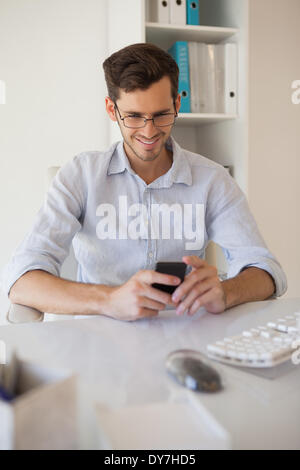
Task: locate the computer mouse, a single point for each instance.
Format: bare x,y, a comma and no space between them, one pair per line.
189,369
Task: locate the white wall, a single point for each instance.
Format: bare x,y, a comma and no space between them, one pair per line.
125,28
51,55
274,132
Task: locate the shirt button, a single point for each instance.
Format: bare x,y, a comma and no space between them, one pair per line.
150,255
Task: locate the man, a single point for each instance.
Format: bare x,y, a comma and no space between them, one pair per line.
146,170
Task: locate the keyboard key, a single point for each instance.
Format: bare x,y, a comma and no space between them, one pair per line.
278,339
228,340
253,356
288,340
255,331
247,334
231,353
285,325
282,327
266,356
268,334
216,349
293,329
242,356
251,333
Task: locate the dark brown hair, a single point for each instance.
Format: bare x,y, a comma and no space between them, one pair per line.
137,67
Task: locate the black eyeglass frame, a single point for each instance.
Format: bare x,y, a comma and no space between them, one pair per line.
148,119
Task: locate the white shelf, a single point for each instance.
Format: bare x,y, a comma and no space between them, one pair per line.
188,119
159,33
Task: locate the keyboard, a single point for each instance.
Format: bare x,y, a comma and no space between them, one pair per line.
264,346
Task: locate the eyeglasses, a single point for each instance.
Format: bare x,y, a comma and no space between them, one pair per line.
137,122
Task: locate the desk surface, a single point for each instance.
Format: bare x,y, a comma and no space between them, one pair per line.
122,363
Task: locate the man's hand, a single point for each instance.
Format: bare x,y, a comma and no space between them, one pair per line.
137,298
200,288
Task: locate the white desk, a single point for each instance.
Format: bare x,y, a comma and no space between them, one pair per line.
122,363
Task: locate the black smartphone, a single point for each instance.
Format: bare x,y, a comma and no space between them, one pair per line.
170,267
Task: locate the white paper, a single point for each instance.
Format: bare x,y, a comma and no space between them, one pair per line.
164,425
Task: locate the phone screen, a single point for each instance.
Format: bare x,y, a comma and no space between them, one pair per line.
170,267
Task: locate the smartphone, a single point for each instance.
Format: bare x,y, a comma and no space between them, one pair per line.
170,267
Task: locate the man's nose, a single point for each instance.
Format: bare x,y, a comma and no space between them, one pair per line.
150,128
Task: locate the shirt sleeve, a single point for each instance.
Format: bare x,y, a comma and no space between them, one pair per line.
48,242
231,225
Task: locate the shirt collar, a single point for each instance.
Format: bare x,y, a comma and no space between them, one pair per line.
180,171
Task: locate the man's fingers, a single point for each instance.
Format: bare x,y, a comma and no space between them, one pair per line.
211,300
158,295
151,304
199,275
194,261
206,298
148,312
144,313
154,277
196,305
198,291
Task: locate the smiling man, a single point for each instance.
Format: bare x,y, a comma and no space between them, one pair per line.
122,188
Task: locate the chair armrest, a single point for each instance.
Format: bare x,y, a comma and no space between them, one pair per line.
22,314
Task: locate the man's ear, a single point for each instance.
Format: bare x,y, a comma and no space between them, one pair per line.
110,108
178,103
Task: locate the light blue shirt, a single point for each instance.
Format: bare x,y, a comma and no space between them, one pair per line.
93,182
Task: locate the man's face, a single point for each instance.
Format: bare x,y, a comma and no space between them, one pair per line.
145,143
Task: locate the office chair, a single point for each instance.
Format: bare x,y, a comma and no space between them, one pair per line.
21,314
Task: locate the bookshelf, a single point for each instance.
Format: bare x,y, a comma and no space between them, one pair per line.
165,34
192,119
222,138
